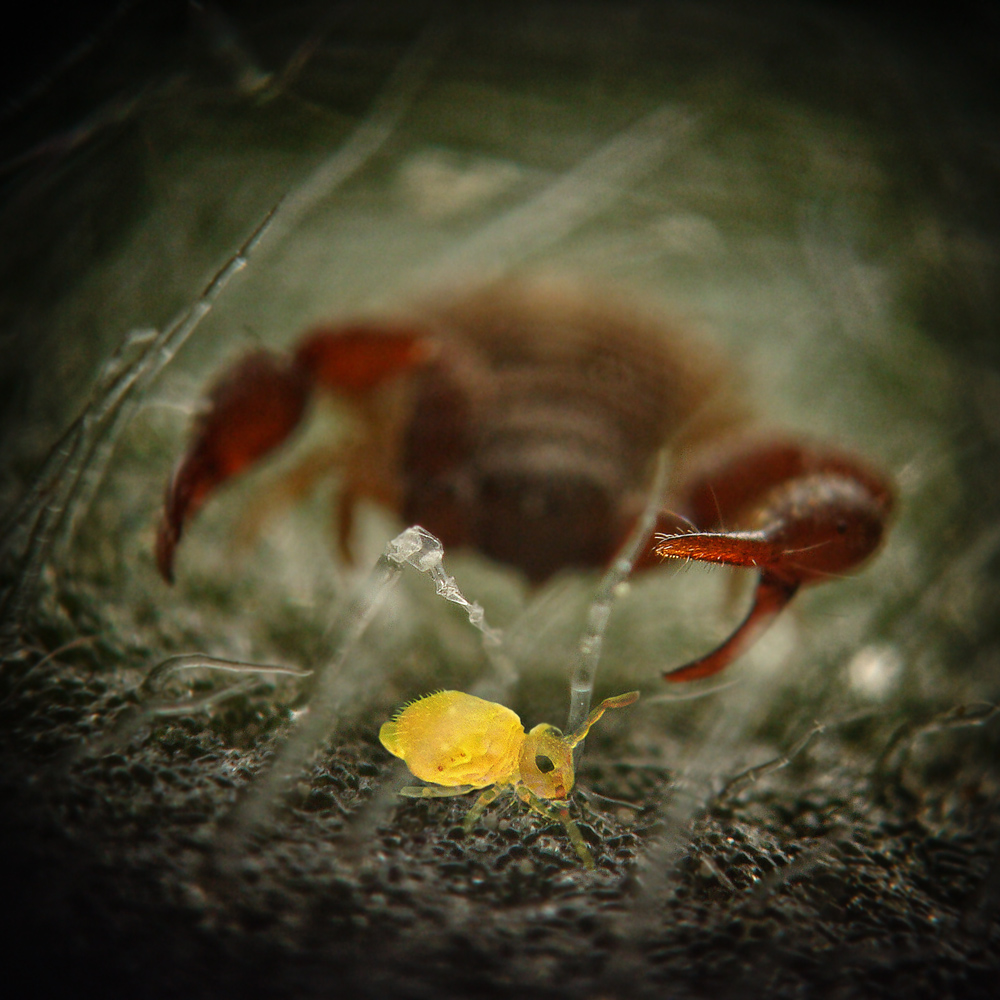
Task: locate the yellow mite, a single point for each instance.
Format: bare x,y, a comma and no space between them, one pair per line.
462,742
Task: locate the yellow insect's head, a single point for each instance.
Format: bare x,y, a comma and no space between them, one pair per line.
546,763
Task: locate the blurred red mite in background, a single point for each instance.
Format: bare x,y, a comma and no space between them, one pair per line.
524,420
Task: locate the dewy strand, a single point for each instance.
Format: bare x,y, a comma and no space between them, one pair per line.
73,467
47,514
341,681
581,688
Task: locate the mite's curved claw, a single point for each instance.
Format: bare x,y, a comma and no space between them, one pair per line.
770,597
259,402
250,411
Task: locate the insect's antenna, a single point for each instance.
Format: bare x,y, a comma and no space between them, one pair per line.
618,701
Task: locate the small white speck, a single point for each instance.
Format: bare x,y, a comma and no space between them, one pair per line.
874,672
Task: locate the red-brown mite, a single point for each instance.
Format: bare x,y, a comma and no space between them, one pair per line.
524,421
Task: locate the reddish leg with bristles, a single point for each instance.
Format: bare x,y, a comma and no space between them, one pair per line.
256,405
799,517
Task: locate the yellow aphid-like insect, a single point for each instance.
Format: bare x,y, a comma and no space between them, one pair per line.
462,742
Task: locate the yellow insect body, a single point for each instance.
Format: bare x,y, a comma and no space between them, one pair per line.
461,742
451,738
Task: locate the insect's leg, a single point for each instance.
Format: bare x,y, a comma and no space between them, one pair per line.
560,815
361,478
347,504
576,839
434,791
490,795
527,796
277,498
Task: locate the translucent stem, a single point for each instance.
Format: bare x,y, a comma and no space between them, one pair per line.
158,701
573,199
59,495
340,682
420,549
335,687
581,688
